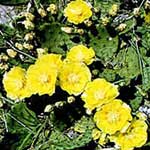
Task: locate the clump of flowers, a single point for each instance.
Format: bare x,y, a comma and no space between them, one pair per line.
77,11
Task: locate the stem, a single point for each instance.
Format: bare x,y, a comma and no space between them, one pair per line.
38,132
19,122
24,141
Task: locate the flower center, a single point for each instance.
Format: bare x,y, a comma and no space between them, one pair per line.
99,95
73,78
44,78
113,116
19,84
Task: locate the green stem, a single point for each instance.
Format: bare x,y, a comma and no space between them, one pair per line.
24,141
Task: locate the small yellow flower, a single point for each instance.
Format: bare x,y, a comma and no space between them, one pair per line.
99,92
11,53
112,117
77,11
147,18
74,77
41,79
81,53
51,60
14,83
135,136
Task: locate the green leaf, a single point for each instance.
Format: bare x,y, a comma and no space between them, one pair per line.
22,122
13,2
54,39
71,138
127,64
135,103
104,45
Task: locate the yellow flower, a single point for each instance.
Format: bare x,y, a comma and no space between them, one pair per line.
77,11
112,117
74,77
135,136
81,53
147,18
41,79
98,92
50,60
15,83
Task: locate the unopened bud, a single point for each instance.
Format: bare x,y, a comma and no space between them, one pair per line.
41,51
29,36
29,16
105,20
28,46
42,12
19,46
113,10
136,12
52,8
48,108
28,24
122,26
71,99
67,29
88,23
11,53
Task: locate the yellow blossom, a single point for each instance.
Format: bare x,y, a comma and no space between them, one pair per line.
81,53
14,83
98,92
51,60
41,79
135,136
74,77
113,116
77,11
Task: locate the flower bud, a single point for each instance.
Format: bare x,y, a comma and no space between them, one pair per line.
42,12
11,53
